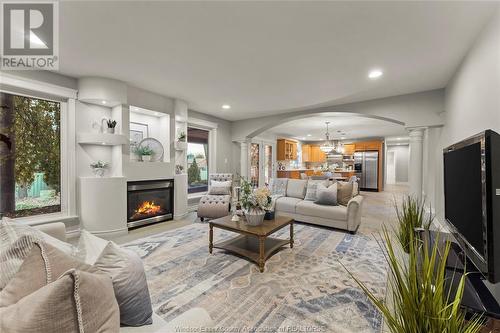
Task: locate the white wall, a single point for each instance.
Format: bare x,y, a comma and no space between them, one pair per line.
402,157
472,105
224,154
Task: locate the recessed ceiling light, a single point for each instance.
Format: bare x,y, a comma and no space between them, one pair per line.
226,106
103,102
342,138
309,135
398,139
375,74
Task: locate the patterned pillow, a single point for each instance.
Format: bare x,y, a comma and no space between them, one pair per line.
312,186
220,188
278,186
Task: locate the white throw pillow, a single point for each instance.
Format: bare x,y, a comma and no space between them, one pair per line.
220,188
90,247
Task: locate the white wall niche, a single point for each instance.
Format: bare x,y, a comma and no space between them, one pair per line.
144,123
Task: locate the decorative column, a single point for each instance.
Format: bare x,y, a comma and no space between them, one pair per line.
244,159
416,161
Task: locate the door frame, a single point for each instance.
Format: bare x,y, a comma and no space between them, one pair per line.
262,143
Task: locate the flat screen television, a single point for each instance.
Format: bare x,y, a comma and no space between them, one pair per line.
472,199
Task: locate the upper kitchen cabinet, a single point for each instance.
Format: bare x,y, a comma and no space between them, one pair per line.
368,145
317,155
349,149
306,153
287,150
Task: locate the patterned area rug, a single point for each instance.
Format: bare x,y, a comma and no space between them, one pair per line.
304,289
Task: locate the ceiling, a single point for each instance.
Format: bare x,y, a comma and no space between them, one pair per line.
269,56
343,126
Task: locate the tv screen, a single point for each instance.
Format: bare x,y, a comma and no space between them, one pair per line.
463,194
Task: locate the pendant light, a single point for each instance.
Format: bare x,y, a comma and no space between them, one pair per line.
327,146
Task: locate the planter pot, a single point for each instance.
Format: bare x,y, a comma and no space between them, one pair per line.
110,130
269,215
255,217
146,158
98,172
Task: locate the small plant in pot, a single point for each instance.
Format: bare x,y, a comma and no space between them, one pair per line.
254,202
179,169
111,126
181,137
98,168
145,152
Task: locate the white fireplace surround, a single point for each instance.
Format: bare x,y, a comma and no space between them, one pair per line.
79,192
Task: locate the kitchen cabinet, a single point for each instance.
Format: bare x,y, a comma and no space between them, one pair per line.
349,149
368,145
306,153
287,150
317,155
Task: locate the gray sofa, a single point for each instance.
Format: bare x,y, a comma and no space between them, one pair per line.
189,321
290,202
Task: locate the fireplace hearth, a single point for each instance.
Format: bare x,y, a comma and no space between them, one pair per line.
149,201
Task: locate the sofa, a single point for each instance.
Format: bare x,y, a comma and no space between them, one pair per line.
289,201
187,322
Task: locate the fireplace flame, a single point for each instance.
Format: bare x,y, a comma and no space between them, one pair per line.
147,208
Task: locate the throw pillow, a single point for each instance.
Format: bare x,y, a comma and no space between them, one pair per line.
220,188
43,265
327,196
129,283
312,186
76,302
278,186
90,247
16,242
344,193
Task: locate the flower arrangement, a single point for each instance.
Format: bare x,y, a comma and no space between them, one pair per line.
144,151
99,165
98,168
258,199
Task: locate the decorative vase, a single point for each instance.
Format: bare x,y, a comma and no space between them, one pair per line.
110,130
255,216
146,158
269,215
98,172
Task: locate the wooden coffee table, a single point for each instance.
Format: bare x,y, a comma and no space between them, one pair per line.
253,243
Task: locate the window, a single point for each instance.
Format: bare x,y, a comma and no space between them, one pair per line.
197,160
30,156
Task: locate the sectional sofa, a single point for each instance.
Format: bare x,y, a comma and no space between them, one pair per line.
289,201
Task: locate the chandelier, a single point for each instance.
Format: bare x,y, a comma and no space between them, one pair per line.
331,147
328,145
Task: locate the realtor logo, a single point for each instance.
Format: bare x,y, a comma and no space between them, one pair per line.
30,35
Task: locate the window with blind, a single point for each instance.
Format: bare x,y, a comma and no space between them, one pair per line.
197,160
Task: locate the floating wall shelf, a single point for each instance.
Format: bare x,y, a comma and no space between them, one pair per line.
102,139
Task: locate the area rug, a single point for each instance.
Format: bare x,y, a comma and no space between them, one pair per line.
304,289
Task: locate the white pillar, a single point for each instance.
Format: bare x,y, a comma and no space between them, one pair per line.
416,161
244,159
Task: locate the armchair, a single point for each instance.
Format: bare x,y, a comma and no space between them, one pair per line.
216,205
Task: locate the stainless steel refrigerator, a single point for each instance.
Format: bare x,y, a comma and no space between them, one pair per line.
366,167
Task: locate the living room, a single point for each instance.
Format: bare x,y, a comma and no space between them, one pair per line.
247,165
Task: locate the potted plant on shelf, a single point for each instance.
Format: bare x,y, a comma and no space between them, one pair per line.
111,126
98,168
178,169
145,153
181,137
254,202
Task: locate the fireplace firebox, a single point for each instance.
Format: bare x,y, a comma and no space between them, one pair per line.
149,201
